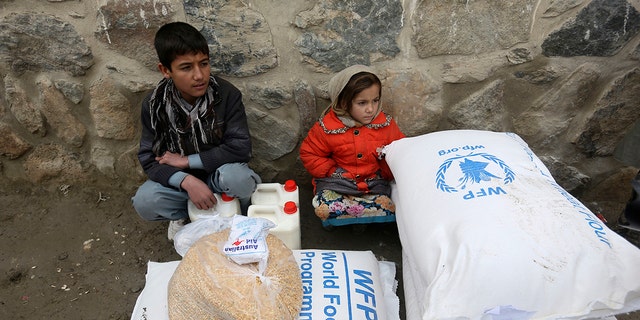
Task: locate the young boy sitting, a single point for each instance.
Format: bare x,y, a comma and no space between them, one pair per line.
195,139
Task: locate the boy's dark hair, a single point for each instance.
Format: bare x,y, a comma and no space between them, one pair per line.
357,83
178,38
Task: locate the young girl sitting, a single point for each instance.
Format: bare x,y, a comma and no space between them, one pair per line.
342,153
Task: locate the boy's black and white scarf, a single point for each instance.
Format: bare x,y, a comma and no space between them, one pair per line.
174,121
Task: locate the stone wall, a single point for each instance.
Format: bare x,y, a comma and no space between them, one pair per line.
563,74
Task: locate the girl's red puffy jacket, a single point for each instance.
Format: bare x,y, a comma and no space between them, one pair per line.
330,145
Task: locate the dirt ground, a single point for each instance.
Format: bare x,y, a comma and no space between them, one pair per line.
81,252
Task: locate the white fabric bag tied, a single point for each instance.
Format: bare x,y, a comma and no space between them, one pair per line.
247,243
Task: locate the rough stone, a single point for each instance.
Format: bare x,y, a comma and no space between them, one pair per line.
615,112
103,159
609,194
53,163
35,42
23,108
337,34
128,167
111,111
272,136
53,106
539,76
483,110
520,56
270,95
135,81
129,27
415,114
444,27
473,69
240,41
635,54
628,150
600,29
72,90
306,102
550,116
558,7
12,145
568,177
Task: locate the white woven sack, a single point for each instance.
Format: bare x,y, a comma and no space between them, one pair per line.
339,284
487,233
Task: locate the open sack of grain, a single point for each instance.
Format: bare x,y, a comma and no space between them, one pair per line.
296,284
208,285
487,233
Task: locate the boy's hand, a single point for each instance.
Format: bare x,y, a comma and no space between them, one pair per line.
174,160
199,192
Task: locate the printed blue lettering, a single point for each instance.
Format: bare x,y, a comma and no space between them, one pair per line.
468,196
327,265
306,303
454,150
306,266
363,279
333,298
482,193
369,313
330,311
368,296
307,289
602,236
595,225
497,190
304,316
329,256
330,284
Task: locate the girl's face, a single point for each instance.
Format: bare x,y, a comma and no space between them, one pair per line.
364,105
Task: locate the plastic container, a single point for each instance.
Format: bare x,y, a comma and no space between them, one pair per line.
276,193
287,220
226,206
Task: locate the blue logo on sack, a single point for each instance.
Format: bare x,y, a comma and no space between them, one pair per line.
471,170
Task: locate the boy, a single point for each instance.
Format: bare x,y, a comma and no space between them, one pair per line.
195,138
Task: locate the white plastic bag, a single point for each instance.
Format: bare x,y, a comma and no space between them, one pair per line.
195,230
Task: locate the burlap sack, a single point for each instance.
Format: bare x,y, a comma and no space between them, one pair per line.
208,285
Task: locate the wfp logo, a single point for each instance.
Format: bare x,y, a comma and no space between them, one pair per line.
471,172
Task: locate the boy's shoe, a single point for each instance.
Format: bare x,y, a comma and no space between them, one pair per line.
174,227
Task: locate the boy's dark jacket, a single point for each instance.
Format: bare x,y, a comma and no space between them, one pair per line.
235,144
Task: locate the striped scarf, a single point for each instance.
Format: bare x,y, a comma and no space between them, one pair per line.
180,127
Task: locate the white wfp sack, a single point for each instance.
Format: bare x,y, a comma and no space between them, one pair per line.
487,233
339,284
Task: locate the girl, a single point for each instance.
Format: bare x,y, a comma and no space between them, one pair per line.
341,152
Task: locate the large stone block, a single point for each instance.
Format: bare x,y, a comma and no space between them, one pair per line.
33,41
